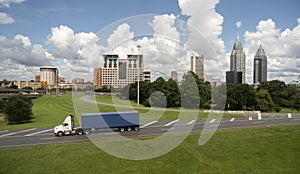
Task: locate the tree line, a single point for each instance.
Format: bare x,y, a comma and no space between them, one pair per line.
196,93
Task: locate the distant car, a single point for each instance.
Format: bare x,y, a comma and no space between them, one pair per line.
24,93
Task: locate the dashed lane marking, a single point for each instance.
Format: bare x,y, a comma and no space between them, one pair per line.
13,133
232,119
213,120
148,124
168,124
191,122
47,130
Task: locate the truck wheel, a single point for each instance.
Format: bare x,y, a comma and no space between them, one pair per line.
136,128
87,132
122,129
80,132
129,129
60,133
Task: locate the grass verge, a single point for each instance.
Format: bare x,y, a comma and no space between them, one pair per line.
255,150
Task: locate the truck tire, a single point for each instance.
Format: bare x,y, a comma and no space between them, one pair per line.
60,133
136,128
87,132
80,132
122,129
129,129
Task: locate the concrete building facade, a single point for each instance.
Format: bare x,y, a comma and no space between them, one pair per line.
197,65
118,73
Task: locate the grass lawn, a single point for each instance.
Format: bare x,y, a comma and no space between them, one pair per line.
255,150
50,110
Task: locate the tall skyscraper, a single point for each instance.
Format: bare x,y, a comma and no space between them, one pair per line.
238,59
260,66
197,65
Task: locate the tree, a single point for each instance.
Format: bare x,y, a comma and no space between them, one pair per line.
18,109
264,101
189,92
240,97
1,105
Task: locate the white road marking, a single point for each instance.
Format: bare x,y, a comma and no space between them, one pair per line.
232,119
13,133
148,124
168,124
191,122
213,120
47,130
3,131
250,118
48,138
289,115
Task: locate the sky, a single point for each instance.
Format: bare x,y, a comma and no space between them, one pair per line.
73,35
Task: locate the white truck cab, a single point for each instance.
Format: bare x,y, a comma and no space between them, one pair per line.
67,128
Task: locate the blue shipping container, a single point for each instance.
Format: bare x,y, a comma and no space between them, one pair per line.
109,120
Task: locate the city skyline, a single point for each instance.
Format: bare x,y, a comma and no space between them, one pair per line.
59,33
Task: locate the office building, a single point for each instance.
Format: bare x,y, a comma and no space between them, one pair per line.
260,67
237,62
197,65
118,73
48,76
147,75
97,77
234,77
174,75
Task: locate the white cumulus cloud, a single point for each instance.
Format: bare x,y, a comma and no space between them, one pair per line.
238,24
6,19
6,3
206,28
282,48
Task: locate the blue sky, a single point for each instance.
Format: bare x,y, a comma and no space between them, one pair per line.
35,18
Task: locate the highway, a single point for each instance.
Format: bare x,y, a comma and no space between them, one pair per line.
44,136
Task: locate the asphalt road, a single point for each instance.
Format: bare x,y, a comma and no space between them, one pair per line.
39,136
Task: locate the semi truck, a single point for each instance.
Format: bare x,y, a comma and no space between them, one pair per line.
91,122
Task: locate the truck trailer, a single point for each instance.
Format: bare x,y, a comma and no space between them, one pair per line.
91,122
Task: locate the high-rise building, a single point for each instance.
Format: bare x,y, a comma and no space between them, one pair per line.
147,75
174,75
197,65
234,77
238,59
118,73
48,76
97,77
260,66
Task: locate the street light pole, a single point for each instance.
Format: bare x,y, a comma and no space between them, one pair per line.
138,82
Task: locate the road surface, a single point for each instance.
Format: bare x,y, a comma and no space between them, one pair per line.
40,136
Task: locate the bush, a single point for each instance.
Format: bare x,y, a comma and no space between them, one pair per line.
18,109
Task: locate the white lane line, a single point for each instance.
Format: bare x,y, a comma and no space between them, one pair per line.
191,122
232,119
213,120
3,131
50,138
289,115
148,124
250,118
168,124
47,130
13,133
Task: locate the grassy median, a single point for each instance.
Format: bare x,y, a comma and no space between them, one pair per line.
51,110
256,150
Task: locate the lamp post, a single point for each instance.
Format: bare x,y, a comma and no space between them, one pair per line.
138,72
